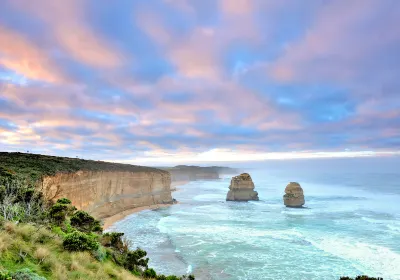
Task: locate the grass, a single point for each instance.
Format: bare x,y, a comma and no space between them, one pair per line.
34,166
40,250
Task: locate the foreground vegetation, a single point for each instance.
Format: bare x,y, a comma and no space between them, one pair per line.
56,241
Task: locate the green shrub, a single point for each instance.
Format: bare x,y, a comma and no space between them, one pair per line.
26,274
58,212
161,277
85,222
114,240
79,241
135,260
149,273
64,201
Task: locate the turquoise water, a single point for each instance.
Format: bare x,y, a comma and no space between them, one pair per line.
351,225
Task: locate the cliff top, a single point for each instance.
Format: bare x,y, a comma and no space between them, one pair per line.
34,166
243,176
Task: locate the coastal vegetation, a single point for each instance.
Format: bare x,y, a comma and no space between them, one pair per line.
32,167
44,240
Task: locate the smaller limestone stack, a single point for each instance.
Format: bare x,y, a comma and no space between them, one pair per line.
241,189
294,196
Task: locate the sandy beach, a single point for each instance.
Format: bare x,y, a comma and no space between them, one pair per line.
115,218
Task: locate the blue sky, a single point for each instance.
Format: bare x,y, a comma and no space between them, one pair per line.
165,81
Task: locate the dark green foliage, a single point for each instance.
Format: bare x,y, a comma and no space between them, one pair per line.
79,241
361,277
58,213
85,222
161,277
149,273
114,240
64,201
26,274
134,260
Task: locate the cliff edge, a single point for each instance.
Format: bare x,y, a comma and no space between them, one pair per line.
102,188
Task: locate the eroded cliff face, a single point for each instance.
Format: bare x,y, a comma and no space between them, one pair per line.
241,189
107,193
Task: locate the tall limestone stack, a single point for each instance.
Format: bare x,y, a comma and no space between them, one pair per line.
294,196
241,189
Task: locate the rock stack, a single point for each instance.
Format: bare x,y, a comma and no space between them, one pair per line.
294,196
241,189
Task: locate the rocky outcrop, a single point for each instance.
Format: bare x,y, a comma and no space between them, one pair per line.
106,193
294,196
241,189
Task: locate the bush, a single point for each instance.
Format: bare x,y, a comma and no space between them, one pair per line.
58,212
149,273
64,201
79,241
26,274
85,222
19,201
114,240
135,260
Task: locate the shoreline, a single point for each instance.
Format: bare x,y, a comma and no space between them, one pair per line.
109,221
177,184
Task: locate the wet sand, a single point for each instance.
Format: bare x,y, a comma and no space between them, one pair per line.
113,219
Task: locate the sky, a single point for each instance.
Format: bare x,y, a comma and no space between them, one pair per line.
184,81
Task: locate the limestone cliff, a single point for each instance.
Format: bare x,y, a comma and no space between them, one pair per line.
106,193
241,189
294,196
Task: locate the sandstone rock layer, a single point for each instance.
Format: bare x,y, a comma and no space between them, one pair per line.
294,196
241,189
106,193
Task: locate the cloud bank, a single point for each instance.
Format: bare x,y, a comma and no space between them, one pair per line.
185,80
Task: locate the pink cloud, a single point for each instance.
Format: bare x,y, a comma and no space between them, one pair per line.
66,19
342,38
24,57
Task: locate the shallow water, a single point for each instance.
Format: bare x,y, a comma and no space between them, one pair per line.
351,225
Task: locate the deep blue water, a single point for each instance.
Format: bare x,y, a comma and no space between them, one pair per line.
351,224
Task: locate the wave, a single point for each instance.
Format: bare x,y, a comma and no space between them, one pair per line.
367,258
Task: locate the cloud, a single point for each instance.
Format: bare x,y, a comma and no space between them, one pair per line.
67,21
182,80
345,40
22,56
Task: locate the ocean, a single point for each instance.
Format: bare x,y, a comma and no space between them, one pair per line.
350,226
